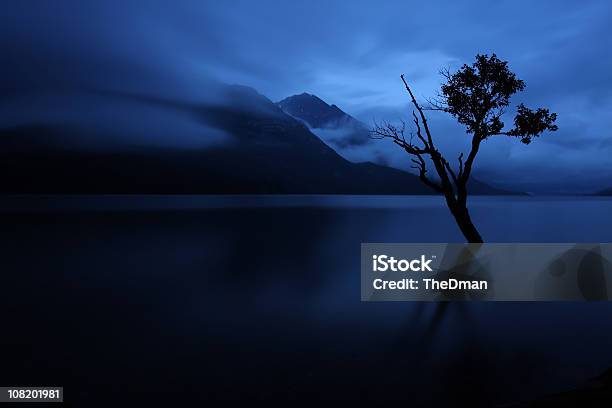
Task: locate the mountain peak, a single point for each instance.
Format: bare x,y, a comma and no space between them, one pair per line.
314,111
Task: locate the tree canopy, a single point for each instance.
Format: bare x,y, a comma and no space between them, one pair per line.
477,96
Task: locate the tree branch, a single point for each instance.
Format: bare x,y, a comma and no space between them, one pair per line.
389,131
467,167
421,166
418,107
450,170
442,167
419,134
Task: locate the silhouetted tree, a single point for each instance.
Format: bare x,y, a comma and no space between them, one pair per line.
476,96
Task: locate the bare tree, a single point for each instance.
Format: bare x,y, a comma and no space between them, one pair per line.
476,96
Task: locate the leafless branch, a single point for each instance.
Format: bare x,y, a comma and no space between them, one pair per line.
437,103
421,113
396,134
419,134
442,167
450,170
421,166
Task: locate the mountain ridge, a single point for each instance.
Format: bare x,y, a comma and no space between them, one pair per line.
317,113
267,152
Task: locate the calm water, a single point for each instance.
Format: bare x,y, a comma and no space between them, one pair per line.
233,297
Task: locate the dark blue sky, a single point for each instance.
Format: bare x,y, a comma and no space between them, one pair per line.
347,52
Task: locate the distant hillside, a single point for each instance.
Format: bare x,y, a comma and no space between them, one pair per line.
267,151
339,128
315,112
606,192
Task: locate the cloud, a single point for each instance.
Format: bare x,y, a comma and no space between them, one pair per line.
348,53
114,121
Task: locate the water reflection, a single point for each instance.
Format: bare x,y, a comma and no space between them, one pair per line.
261,301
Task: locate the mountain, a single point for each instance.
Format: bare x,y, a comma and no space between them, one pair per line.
338,128
262,150
315,112
606,192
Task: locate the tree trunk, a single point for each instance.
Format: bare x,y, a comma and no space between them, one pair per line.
462,216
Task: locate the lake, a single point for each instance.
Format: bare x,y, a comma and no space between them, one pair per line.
199,298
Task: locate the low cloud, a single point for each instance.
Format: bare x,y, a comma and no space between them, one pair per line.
85,120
